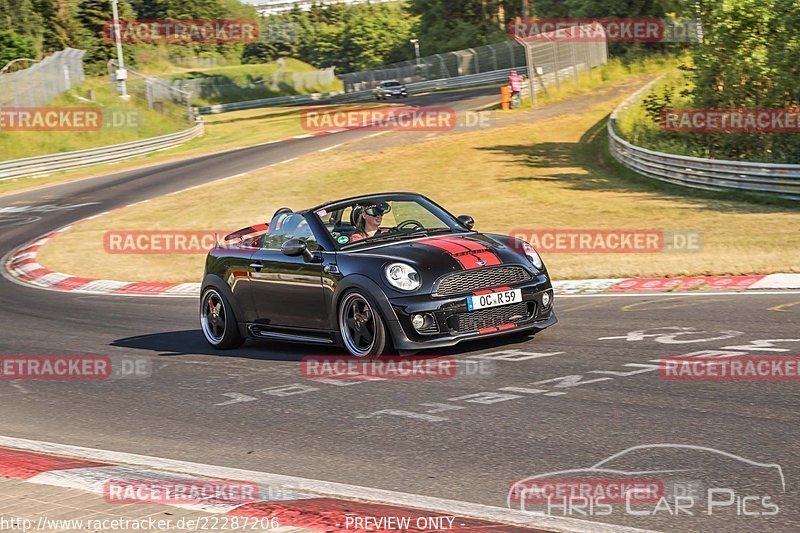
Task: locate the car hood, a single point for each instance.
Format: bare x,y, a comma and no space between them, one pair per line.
436,256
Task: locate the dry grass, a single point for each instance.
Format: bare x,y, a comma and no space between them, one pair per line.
548,173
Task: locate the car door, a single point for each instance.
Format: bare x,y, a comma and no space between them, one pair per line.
287,291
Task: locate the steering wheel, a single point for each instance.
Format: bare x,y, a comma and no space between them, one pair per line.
416,223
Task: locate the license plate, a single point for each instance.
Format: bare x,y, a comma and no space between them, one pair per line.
494,299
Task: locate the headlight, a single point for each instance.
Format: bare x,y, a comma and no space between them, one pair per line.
403,277
530,251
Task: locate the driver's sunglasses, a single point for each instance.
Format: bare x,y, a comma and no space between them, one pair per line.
374,212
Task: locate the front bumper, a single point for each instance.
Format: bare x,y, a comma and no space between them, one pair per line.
454,323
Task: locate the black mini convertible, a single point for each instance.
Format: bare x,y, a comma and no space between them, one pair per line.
372,274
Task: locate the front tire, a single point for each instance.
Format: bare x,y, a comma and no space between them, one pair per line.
362,328
218,321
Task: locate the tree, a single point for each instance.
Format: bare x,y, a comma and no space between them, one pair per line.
15,46
447,25
760,45
94,17
374,35
21,17
60,24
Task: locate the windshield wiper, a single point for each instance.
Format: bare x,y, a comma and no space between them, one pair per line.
444,230
397,236
410,235
403,235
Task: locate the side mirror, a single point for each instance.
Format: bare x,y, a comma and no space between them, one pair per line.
467,220
296,248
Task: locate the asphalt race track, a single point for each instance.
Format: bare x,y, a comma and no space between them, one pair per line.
576,394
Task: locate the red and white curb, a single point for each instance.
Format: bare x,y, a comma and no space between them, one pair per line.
23,266
292,501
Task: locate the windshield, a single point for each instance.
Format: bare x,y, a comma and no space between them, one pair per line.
391,84
371,221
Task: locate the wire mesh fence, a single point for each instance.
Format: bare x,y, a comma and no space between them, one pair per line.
547,56
44,81
158,94
554,57
226,88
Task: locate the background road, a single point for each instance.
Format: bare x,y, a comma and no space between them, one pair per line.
251,408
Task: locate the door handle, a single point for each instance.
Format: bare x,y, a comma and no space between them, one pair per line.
256,266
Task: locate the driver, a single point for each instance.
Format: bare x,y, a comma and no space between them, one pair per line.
369,221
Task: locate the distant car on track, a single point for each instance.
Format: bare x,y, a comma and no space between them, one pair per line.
390,89
371,273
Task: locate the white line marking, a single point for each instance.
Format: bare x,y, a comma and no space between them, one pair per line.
439,505
331,147
19,387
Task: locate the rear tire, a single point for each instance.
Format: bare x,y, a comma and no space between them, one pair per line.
361,326
218,321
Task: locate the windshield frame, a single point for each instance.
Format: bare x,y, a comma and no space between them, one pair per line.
452,223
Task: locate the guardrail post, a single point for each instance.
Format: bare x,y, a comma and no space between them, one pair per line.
556,66
574,60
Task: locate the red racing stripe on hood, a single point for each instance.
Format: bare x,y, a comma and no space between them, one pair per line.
466,252
466,243
488,256
447,246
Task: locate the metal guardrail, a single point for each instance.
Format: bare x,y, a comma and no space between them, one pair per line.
472,80
300,99
47,164
779,180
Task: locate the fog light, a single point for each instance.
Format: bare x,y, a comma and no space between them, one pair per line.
546,299
418,321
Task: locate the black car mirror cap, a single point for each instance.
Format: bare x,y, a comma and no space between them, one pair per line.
467,220
296,248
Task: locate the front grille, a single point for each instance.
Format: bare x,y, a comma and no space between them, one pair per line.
492,317
480,278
